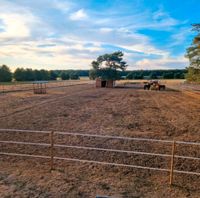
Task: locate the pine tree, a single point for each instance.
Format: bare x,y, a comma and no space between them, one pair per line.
193,54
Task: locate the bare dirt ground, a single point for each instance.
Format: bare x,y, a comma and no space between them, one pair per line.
131,112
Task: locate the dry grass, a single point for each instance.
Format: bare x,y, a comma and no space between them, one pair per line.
127,112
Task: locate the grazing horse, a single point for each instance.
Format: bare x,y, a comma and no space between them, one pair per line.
154,85
162,87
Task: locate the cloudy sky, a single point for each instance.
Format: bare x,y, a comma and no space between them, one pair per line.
63,34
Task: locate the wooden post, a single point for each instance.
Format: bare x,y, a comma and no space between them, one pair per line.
172,163
45,88
51,149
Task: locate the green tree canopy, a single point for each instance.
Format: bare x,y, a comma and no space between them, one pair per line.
53,75
64,76
22,74
74,76
19,74
193,54
107,66
5,74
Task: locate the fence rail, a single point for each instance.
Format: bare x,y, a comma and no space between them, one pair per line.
99,149
52,145
101,136
50,85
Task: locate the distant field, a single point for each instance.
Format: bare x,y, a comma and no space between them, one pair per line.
15,83
164,81
85,78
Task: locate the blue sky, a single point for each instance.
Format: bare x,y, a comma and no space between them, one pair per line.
62,34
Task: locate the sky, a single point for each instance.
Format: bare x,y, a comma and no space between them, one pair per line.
63,34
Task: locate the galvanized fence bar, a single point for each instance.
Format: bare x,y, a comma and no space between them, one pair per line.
100,149
25,143
25,155
111,150
52,157
102,136
98,162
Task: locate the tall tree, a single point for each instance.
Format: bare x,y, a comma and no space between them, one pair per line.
107,66
193,54
5,74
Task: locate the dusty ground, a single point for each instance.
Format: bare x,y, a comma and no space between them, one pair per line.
129,112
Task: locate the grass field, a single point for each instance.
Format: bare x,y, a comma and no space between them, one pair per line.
129,111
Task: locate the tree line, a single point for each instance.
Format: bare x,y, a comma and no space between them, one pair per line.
21,74
157,74
140,74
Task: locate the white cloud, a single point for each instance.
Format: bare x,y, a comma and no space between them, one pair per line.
63,53
78,15
14,26
145,48
180,37
106,30
163,19
19,23
162,63
121,38
62,6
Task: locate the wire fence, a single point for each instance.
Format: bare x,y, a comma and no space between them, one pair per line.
21,87
51,146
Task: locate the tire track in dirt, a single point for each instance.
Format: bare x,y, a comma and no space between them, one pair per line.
182,113
90,108
174,113
162,113
59,115
192,94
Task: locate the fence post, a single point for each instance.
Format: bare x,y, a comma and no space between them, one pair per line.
51,149
172,163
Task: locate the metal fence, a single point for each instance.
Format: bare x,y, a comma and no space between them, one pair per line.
52,145
23,87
